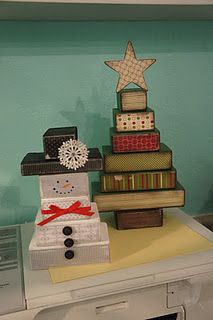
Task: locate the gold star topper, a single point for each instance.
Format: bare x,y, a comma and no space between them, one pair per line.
130,69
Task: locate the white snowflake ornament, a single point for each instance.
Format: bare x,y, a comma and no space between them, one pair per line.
73,154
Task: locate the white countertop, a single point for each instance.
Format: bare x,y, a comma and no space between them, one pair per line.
40,291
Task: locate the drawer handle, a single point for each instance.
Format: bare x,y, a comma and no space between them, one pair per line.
112,307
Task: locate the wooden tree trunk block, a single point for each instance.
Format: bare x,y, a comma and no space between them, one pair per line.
132,219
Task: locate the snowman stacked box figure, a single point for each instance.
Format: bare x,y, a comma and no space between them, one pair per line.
68,230
139,179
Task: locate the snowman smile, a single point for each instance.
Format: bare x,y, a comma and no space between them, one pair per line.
63,188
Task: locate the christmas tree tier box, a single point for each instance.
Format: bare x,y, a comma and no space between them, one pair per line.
53,138
133,181
59,255
132,99
64,185
36,164
119,201
134,121
67,206
142,161
66,232
135,141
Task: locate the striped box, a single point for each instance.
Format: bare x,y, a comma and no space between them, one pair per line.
134,121
132,99
143,161
136,141
147,180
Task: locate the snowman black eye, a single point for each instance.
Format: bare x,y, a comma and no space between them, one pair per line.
57,181
72,187
67,180
53,188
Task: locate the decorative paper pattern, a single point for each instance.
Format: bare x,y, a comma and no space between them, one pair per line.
132,100
65,203
53,139
131,142
152,180
130,69
35,164
134,121
118,201
82,230
124,162
83,253
64,185
54,212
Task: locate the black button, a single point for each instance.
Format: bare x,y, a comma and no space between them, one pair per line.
67,231
68,242
69,254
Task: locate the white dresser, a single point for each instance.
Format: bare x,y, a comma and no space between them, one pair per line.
178,288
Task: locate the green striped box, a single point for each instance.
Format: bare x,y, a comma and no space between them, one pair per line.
133,181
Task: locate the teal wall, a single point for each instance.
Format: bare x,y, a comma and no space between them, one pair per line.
52,74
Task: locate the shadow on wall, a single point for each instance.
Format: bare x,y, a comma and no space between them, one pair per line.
11,211
90,125
208,204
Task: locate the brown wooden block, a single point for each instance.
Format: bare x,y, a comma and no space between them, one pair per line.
132,99
131,219
120,201
138,161
53,139
35,164
134,121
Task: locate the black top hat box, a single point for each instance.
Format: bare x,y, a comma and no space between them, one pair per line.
48,162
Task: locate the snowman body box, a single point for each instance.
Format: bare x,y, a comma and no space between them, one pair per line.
68,230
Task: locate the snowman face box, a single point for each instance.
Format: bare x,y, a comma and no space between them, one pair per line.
71,185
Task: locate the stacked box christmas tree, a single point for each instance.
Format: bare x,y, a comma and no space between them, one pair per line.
68,230
139,179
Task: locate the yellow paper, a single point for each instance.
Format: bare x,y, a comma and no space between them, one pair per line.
129,248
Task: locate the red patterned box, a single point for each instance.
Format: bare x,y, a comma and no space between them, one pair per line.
135,142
